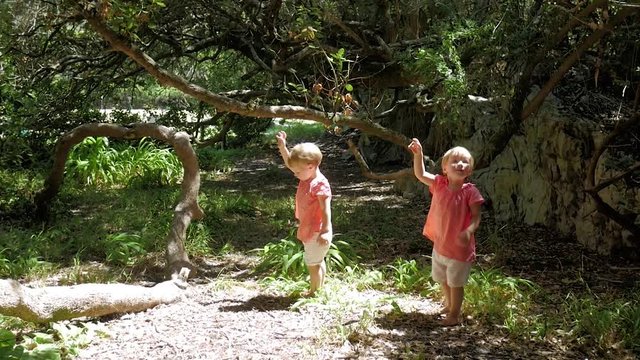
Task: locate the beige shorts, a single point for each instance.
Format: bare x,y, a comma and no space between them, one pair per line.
314,253
449,271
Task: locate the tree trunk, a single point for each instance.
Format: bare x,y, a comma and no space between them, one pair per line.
187,207
55,303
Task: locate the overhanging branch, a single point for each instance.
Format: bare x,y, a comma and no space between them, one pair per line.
222,103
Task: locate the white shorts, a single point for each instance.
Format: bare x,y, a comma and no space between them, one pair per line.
314,253
448,271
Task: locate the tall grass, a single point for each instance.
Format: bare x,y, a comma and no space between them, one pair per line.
297,131
602,322
95,162
492,297
212,159
285,258
409,276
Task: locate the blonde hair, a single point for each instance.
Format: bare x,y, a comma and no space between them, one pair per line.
307,153
456,151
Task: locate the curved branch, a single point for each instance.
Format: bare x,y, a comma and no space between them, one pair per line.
222,103
187,207
220,136
366,171
352,34
606,183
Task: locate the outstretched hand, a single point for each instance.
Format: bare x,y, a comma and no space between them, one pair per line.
415,146
464,237
281,136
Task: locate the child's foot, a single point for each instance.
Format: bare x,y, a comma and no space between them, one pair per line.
308,294
451,321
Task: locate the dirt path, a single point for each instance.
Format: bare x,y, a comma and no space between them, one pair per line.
231,317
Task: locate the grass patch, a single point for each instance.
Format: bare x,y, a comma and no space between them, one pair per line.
297,131
222,161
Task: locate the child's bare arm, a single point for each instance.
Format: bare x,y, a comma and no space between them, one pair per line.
418,163
326,232
465,235
281,137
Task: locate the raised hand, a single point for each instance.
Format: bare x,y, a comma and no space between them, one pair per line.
415,146
281,136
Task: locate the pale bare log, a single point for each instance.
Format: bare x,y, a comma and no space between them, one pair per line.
55,303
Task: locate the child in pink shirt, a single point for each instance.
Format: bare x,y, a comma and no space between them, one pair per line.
313,206
454,217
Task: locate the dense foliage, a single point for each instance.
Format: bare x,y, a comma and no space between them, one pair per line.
374,60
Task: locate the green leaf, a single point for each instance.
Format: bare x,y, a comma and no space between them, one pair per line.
348,87
7,339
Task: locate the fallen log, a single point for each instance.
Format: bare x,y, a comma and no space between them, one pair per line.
55,303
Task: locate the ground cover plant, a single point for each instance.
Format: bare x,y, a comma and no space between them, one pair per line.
379,301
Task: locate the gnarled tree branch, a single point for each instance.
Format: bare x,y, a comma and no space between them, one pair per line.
187,207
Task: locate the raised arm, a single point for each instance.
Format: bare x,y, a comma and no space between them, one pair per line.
418,163
281,137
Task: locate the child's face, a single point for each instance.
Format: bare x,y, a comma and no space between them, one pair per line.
303,171
458,166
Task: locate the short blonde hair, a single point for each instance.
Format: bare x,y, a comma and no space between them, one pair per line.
307,153
457,151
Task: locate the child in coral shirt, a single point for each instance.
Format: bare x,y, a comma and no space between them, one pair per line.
313,206
454,217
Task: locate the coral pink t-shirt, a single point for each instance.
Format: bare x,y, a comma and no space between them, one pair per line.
308,211
450,213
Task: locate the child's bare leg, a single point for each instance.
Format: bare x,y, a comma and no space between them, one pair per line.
316,273
456,295
446,296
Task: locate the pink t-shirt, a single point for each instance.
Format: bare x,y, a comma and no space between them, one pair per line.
308,211
448,216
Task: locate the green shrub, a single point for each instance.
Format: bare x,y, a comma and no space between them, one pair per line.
123,248
95,162
407,276
603,322
211,159
499,299
286,258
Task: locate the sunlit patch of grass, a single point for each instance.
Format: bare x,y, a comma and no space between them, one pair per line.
409,276
286,285
89,224
493,297
96,162
285,258
22,254
297,131
603,322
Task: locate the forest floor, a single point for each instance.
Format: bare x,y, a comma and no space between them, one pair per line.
227,314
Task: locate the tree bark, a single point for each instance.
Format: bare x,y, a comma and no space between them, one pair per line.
55,303
187,207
